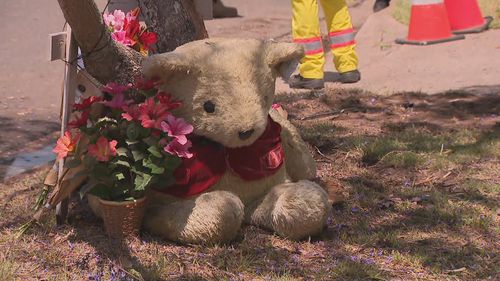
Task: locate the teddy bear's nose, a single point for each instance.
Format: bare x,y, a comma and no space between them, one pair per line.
246,134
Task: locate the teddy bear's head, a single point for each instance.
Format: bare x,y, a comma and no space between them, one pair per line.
226,85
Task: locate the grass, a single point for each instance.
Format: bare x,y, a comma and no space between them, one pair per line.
421,198
401,11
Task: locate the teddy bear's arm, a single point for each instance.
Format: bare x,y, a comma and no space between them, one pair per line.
300,164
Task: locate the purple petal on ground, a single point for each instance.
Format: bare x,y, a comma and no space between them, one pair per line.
369,261
407,183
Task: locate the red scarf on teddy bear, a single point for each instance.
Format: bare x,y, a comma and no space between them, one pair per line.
211,160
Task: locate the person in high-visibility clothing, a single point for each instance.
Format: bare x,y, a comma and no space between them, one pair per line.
306,31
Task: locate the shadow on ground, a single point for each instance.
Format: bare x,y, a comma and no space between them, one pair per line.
19,135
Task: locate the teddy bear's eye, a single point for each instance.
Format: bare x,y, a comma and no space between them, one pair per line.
209,106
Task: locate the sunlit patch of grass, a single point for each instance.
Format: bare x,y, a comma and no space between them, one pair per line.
412,147
355,270
401,11
321,133
407,259
403,159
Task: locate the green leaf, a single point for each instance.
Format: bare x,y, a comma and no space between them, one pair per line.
133,131
101,190
172,163
122,151
155,169
144,132
122,163
137,155
141,182
131,142
119,176
155,152
150,141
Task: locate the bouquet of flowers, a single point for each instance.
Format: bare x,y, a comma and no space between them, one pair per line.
126,29
127,140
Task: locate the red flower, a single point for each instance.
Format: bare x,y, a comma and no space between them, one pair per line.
132,29
148,39
167,101
131,112
86,103
66,144
80,121
152,114
102,149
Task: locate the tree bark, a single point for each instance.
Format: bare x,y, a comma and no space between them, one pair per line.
175,21
104,59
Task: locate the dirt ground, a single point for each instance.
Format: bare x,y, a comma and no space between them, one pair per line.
413,178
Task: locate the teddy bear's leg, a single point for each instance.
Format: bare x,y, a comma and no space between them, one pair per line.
294,210
210,218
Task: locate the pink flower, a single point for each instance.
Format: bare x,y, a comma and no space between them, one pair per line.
102,149
152,114
115,20
276,106
132,15
66,144
115,88
131,112
119,19
118,101
181,150
121,37
176,128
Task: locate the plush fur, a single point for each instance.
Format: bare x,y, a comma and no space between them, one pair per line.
238,76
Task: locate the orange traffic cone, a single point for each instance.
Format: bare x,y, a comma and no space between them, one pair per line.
465,16
428,24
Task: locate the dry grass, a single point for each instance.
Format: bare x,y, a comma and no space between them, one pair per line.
421,180
401,11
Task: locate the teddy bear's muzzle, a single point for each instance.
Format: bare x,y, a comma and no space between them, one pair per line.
246,134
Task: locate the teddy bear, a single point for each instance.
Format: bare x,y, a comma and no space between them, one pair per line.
249,164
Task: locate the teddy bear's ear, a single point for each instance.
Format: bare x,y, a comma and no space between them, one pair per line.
163,66
284,57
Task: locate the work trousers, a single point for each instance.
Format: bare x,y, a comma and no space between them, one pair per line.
306,31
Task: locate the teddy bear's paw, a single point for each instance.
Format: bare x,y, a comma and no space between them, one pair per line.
300,211
211,218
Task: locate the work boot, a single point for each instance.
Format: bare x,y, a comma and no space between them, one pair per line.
221,11
299,82
380,5
352,76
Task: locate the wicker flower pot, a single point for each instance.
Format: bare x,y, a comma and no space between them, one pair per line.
122,219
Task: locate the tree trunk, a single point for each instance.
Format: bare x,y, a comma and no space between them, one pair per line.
175,21
104,59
